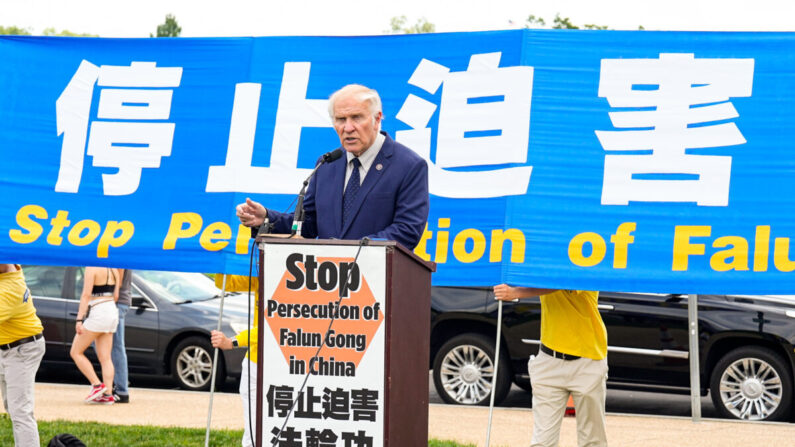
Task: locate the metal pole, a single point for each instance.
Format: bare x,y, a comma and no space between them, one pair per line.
496,369
695,368
215,365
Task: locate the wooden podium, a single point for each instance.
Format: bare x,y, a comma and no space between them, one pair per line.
367,369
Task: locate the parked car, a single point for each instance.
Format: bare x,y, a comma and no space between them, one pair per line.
745,347
167,327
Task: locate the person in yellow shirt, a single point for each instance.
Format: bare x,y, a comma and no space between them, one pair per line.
248,377
21,350
572,361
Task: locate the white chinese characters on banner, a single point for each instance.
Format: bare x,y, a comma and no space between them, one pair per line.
484,119
489,103
125,134
294,112
687,96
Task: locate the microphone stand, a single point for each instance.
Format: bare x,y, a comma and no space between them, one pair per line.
298,216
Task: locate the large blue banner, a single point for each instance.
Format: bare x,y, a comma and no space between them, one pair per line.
603,160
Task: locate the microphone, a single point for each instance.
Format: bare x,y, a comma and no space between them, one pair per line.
328,157
298,216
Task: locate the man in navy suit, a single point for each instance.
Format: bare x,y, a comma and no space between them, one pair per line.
379,189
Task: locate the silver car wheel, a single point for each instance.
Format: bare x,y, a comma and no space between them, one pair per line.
466,374
750,389
194,366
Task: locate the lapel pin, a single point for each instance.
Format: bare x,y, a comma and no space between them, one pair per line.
379,167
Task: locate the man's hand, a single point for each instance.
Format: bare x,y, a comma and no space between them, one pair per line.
219,340
504,292
251,213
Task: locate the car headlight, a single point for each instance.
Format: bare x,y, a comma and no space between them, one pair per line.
238,326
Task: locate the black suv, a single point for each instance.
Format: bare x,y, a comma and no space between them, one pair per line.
745,346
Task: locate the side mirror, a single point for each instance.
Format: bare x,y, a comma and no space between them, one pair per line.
675,297
139,301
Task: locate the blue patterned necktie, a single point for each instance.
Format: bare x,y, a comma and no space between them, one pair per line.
354,183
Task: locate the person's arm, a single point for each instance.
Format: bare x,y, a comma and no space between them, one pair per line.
504,292
85,297
221,341
6,308
252,214
411,209
283,222
117,273
244,336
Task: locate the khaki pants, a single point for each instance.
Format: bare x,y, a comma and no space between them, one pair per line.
553,380
18,368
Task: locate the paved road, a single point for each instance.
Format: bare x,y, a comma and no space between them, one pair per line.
618,401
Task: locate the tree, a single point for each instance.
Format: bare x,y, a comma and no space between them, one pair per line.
51,32
559,23
47,32
15,30
563,23
398,25
169,28
533,20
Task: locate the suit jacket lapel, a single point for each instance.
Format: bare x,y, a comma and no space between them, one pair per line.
371,179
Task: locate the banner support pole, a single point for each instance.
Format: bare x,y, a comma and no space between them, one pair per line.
695,367
496,368
215,366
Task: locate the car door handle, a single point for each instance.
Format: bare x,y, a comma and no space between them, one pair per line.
73,314
605,306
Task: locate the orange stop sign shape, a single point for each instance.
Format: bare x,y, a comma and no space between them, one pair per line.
304,303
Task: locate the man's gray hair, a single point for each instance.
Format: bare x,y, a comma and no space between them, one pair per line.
361,93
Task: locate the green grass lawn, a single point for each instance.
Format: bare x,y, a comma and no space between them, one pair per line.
94,434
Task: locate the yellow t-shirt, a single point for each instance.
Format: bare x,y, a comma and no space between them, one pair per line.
571,324
239,283
18,317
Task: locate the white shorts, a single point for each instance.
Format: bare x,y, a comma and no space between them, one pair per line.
103,316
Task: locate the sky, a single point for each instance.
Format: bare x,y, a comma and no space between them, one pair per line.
204,18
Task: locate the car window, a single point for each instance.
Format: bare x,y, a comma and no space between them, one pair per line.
79,271
79,275
79,284
179,287
44,281
135,293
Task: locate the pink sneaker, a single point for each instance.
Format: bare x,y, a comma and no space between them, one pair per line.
96,390
103,399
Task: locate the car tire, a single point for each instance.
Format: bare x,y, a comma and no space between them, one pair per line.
463,371
752,383
191,364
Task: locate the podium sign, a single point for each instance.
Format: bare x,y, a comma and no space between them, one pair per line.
343,400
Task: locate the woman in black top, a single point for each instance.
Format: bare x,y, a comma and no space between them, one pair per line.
97,319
